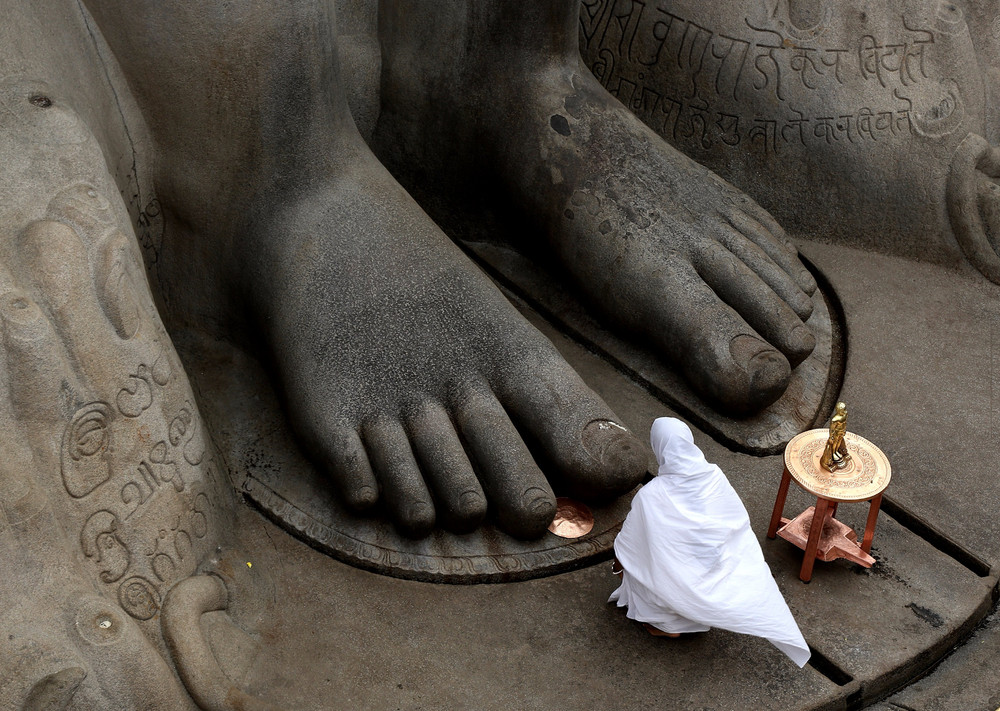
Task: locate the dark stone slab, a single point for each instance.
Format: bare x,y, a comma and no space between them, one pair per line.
966,680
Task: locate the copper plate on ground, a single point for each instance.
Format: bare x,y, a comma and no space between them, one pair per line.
837,540
573,519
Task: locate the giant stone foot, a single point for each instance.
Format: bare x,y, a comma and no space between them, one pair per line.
871,123
406,374
660,247
412,379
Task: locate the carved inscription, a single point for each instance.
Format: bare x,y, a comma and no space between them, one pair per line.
149,228
706,88
85,447
183,434
902,61
139,598
99,540
137,394
694,121
135,469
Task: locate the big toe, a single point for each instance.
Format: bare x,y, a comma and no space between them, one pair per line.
723,357
759,373
586,450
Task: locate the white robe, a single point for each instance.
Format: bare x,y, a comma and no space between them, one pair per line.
691,560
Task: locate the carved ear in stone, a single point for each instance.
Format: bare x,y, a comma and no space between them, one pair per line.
123,294
85,450
974,203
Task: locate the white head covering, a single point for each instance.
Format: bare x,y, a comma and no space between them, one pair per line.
675,449
691,560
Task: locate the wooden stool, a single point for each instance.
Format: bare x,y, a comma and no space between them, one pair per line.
815,530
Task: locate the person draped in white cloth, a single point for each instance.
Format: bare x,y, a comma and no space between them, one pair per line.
690,560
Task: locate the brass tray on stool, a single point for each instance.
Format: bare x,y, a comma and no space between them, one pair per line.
863,476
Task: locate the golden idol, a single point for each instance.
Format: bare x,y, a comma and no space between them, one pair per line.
835,454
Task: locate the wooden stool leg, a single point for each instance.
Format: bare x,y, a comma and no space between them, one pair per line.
779,504
815,531
876,504
833,509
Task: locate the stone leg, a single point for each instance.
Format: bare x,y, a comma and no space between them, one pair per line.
489,101
109,490
405,373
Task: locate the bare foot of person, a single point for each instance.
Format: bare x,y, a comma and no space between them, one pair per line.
658,632
496,103
406,373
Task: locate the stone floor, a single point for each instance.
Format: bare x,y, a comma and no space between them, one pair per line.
920,379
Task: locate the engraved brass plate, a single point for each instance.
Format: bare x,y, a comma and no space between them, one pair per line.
572,520
865,476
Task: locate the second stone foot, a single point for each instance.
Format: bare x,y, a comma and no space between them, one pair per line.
658,246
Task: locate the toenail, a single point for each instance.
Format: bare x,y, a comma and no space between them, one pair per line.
538,501
470,501
764,358
767,370
745,348
803,339
41,101
601,436
363,497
